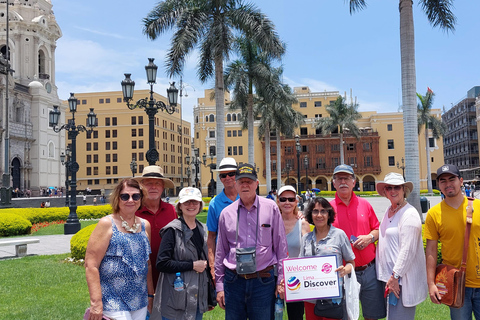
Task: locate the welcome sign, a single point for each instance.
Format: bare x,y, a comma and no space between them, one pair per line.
311,278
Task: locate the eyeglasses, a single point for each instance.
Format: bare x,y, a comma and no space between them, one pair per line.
191,202
224,175
316,212
126,196
342,178
396,188
283,199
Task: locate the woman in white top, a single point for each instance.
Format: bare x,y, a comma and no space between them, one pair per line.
295,228
400,259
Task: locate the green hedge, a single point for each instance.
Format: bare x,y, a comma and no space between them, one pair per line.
12,225
78,243
439,248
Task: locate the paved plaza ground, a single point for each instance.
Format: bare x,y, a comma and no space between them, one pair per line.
57,244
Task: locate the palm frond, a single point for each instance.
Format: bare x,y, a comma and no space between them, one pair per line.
439,13
356,5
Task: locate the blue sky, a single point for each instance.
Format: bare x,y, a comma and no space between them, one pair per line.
327,49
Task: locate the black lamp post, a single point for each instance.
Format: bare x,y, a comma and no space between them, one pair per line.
212,166
72,225
306,172
298,147
402,167
189,173
196,162
65,159
150,105
133,167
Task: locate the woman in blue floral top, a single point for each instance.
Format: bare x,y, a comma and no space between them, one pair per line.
117,264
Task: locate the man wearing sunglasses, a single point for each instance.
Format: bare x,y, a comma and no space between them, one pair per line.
226,170
159,213
356,217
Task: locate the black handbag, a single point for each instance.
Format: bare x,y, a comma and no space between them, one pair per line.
212,293
326,308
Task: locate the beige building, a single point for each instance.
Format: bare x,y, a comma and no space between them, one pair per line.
380,149
104,156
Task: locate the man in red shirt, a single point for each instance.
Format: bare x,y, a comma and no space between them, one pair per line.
356,217
154,210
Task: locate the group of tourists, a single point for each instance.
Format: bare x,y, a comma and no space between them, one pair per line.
149,259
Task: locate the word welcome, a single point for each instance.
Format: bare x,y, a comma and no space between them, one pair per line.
298,268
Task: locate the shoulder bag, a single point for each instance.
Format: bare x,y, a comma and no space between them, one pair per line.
449,280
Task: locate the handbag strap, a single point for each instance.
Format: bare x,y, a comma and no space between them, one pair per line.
467,233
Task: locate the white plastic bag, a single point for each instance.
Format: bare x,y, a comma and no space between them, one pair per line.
352,292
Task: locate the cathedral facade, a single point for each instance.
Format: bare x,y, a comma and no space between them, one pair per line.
34,148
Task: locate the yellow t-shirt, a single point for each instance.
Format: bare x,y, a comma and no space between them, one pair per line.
447,224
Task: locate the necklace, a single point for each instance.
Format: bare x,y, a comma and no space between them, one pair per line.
393,211
126,226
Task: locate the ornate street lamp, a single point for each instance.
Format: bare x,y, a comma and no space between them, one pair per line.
299,149
196,162
151,106
212,166
306,172
133,167
402,167
189,173
65,160
72,225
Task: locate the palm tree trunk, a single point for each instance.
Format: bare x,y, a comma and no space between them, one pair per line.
268,164
429,169
409,90
279,160
220,114
342,156
251,124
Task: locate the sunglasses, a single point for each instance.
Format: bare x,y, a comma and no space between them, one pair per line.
396,188
224,175
284,199
126,196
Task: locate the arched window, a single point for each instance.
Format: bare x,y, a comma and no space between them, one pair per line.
196,119
206,118
213,150
51,149
212,118
229,117
3,51
234,117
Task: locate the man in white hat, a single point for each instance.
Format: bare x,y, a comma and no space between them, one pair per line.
154,210
226,170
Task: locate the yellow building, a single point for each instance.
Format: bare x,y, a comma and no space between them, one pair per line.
375,154
104,156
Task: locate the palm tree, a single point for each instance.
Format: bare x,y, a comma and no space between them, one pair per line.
252,69
343,118
438,14
274,103
210,25
427,120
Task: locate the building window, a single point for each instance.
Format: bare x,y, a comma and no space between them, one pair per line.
239,133
95,146
431,142
367,161
115,170
134,120
89,158
390,144
114,145
318,104
84,101
140,144
212,134
95,158
140,119
319,148
303,131
89,171
89,146
335,147
140,132
109,181
389,127
303,104
320,163
114,121
95,134
134,144
100,101
119,100
107,157
107,133
391,161
240,150
107,170
107,145
229,133
229,117
213,150
229,151
318,115
367,146
115,157
304,148
351,147
107,122
134,132
107,100
211,118
95,171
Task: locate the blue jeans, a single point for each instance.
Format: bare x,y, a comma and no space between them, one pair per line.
253,298
472,304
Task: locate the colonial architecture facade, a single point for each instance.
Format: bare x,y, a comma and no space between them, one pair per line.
34,148
380,149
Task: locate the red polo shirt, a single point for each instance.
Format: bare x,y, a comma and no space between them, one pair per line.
358,218
158,220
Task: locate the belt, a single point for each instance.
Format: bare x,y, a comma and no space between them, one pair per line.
361,268
262,273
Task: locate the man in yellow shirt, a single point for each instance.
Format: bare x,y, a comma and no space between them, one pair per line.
445,222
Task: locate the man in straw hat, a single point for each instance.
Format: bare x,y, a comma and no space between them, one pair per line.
251,241
356,217
226,170
445,222
154,210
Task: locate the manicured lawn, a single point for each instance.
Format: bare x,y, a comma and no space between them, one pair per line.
59,228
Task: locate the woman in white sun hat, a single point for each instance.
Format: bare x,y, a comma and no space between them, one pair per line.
400,258
295,228
183,249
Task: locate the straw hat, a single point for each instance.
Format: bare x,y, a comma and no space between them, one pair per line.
155,172
394,179
227,164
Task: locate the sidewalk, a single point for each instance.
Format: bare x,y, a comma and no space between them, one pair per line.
57,244
48,245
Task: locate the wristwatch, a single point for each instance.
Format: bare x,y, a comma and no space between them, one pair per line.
395,276
373,237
